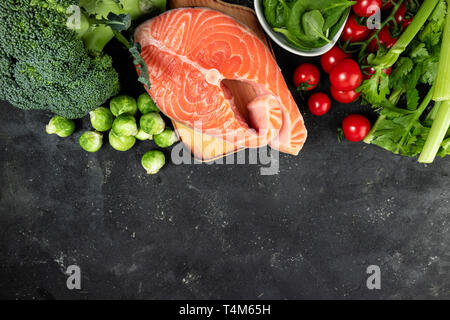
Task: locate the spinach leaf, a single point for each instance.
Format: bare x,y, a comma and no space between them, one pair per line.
290,37
310,23
313,24
270,11
276,12
334,11
279,15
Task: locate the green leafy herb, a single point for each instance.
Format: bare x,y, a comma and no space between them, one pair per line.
340,134
420,56
399,131
138,61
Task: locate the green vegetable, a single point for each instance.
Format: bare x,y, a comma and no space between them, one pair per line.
46,65
436,139
60,126
417,127
290,37
153,161
313,22
123,104
440,129
399,130
307,24
91,141
376,88
445,148
101,119
138,61
152,123
146,104
166,138
141,135
125,125
276,12
117,14
121,143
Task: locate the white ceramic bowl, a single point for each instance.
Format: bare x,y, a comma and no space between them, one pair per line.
282,41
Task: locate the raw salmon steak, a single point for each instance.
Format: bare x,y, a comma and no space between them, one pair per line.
191,53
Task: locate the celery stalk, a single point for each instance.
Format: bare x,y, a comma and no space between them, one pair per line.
437,133
442,84
387,60
432,114
441,121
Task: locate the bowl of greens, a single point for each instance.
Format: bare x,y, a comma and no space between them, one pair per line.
303,27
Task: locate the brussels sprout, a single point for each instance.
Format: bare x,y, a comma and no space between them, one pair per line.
60,126
121,143
146,104
91,141
141,135
125,125
123,104
166,138
101,119
153,160
152,123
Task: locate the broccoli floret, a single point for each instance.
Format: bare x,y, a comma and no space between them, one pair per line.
45,65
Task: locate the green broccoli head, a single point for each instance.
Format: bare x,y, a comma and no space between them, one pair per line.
44,65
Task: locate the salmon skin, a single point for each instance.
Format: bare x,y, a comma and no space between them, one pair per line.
190,51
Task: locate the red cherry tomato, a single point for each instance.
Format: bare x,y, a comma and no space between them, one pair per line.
354,32
329,59
319,103
385,38
344,96
399,16
346,75
369,71
356,127
366,8
387,4
306,76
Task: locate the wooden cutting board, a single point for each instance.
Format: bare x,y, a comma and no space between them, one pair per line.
208,148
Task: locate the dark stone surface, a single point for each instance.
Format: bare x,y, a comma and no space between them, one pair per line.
219,231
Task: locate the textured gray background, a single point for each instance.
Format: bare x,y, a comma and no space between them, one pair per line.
217,231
